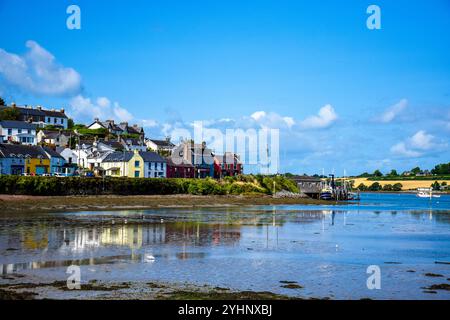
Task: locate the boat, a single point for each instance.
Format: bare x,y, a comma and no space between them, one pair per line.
426,193
326,193
353,196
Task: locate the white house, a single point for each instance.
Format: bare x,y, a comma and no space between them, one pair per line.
18,131
155,166
40,116
160,145
70,156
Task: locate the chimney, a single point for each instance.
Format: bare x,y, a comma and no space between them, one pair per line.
62,110
96,119
39,107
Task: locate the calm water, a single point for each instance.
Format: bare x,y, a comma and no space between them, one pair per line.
326,249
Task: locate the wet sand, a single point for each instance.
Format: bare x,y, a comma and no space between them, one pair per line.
22,204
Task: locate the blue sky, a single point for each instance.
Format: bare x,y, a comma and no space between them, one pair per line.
343,96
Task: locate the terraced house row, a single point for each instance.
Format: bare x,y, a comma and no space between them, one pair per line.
40,142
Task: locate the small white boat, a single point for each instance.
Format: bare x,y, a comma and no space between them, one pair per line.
422,194
426,193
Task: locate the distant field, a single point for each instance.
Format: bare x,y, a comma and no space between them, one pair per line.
407,184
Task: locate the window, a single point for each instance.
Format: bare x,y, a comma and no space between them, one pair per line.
136,163
19,131
62,121
29,131
54,120
48,119
136,174
156,166
9,132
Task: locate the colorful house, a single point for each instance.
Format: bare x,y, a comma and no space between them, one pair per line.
155,166
19,159
199,155
179,169
227,165
124,164
17,131
57,161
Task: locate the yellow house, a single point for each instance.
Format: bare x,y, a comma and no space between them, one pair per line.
124,164
38,165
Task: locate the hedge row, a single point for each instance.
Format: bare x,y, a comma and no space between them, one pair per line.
56,186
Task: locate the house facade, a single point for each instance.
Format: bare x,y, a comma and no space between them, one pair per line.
227,165
180,169
41,117
57,162
18,159
200,156
18,131
160,145
54,138
155,166
124,164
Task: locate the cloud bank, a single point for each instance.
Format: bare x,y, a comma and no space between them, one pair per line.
38,72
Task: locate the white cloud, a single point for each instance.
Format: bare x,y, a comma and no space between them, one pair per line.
323,119
103,102
422,140
264,119
85,110
122,113
37,72
400,149
416,145
393,111
258,115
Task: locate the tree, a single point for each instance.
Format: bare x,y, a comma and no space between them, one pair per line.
377,173
2,102
387,187
70,124
397,187
375,187
443,168
436,186
416,170
362,187
393,173
10,114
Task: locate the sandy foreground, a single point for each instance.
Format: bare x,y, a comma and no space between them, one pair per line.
407,184
19,203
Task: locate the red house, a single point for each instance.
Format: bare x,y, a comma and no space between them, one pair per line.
182,170
227,165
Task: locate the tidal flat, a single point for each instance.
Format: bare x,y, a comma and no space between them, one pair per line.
259,251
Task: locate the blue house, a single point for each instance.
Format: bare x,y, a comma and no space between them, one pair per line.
57,161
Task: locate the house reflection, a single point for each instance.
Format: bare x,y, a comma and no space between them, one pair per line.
133,236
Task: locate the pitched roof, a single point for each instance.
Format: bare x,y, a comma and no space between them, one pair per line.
38,112
52,152
119,156
17,124
183,163
19,150
150,156
162,143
